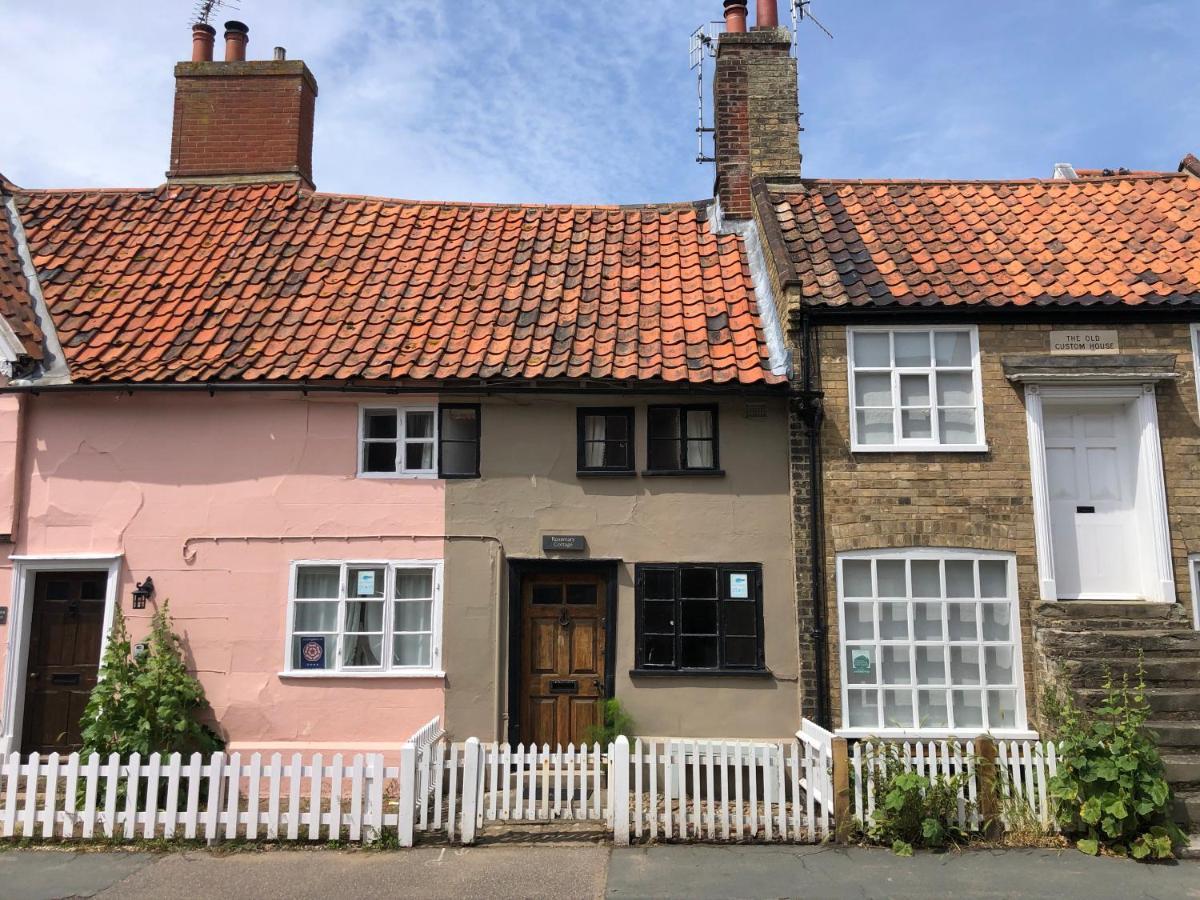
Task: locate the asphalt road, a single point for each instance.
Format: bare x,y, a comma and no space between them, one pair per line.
586,871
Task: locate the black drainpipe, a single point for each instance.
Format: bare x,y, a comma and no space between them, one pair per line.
812,411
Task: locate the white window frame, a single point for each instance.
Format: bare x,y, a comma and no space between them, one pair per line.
920,445
1194,575
1020,729
386,669
401,410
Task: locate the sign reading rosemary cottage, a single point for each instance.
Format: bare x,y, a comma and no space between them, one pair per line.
1084,343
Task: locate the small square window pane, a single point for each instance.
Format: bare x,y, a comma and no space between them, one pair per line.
741,652
863,709
957,426
953,348
546,594
700,454
412,650
460,459
964,665
414,615
698,583
317,582
659,651
698,652
998,665
931,665
856,578
997,621
741,618
418,425
92,589
861,674
581,594
962,621
916,424
699,423
414,584
871,389
993,578
960,578
1002,709
362,650
658,616
364,615
616,427
460,424
615,455
872,349
914,390
890,573
912,348
860,621
365,583
659,584
927,621
968,709
894,665
664,423
379,457
933,709
380,424
664,455
317,617
698,617
875,426
418,456
893,621
926,578
898,709
955,389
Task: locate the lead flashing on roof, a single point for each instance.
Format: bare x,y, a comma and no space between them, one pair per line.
53,369
764,294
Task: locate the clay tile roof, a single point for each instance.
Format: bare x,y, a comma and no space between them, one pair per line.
16,304
276,283
1126,239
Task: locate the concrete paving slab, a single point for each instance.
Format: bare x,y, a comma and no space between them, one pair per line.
750,873
45,874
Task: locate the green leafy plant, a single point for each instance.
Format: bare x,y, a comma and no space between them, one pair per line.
616,721
1111,787
149,703
913,810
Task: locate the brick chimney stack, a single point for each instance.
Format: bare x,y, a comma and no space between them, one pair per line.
757,104
238,120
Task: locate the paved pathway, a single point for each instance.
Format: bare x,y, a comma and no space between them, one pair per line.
586,871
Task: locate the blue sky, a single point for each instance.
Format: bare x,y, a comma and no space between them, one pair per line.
560,100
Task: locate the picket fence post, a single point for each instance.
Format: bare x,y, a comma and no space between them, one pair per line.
618,777
843,821
470,790
408,794
989,795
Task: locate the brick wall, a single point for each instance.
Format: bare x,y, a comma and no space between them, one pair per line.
239,119
984,500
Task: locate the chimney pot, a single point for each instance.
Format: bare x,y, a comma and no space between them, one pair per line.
202,42
735,16
767,14
280,54
237,35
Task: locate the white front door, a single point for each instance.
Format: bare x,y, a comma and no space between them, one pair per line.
1091,473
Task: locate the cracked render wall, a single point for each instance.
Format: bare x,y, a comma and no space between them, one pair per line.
147,474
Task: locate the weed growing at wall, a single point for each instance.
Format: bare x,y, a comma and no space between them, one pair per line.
913,810
616,722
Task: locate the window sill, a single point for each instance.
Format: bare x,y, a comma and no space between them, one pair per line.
399,476
919,448
961,734
701,673
329,674
446,477
683,473
605,473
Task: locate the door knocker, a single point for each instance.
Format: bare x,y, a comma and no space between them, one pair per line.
563,619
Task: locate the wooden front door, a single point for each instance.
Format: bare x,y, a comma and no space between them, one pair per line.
562,657
64,658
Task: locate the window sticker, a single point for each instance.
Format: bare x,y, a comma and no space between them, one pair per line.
861,662
739,586
366,582
312,652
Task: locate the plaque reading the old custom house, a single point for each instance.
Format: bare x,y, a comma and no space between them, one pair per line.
1084,343
564,542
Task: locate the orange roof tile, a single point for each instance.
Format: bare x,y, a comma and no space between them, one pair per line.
1132,239
276,283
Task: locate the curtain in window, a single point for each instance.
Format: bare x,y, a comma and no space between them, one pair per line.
317,582
700,443
594,432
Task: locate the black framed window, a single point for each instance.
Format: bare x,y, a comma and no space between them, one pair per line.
682,439
605,440
458,440
699,617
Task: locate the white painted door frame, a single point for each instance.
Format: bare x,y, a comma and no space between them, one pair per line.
25,571
1160,582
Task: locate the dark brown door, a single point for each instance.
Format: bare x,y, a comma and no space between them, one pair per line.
64,658
562,659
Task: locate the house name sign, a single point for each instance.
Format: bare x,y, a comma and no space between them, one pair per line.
1084,343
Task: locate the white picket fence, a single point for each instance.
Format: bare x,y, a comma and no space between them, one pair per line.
1023,771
